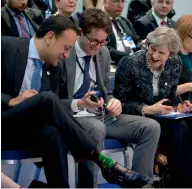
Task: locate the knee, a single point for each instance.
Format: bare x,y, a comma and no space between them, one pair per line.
51,133
47,97
99,131
153,128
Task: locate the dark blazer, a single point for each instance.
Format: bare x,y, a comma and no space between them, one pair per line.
147,24
185,76
14,55
102,64
9,27
38,4
133,82
112,45
138,8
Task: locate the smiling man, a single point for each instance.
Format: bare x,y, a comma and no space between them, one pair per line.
154,18
36,110
88,69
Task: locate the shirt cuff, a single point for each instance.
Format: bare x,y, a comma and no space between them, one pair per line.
74,106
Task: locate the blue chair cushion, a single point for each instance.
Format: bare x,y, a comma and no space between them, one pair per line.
18,154
112,144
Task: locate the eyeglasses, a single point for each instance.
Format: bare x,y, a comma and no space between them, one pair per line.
190,36
95,42
117,1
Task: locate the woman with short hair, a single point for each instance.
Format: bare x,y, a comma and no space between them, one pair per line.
145,81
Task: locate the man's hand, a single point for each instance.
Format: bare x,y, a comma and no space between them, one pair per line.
20,98
114,107
85,102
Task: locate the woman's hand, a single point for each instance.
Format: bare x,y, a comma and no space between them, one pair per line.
186,107
158,108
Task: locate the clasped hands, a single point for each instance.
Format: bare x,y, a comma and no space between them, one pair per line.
113,107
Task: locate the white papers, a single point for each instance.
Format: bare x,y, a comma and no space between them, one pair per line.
172,114
84,113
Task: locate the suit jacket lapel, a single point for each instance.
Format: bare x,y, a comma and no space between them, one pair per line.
20,58
70,64
10,21
170,23
98,59
152,20
30,18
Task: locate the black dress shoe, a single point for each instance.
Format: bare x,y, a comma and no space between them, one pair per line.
123,177
38,184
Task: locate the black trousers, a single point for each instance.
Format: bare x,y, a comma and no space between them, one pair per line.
44,123
174,142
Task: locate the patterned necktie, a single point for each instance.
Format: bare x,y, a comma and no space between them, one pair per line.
119,32
86,81
24,32
36,77
163,23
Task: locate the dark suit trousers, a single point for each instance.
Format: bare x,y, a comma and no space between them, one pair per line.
44,123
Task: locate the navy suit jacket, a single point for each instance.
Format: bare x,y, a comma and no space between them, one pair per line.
147,24
14,56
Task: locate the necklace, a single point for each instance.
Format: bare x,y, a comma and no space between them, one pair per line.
156,74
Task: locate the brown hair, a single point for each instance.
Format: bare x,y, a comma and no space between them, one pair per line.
184,25
95,18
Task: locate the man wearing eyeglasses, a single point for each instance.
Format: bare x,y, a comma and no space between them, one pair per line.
123,40
88,69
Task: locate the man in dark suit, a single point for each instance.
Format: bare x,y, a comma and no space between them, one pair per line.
33,116
138,9
86,76
18,20
123,40
155,17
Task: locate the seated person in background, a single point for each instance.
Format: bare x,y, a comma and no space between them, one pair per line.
38,4
184,29
18,20
87,4
51,5
138,9
154,18
66,8
144,81
123,40
93,75
36,115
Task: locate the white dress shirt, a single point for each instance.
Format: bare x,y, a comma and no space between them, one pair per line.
79,75
33,54
158,20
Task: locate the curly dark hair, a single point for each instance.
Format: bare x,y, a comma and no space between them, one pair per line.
94,18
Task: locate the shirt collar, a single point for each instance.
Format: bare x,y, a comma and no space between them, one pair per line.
13,13
33,54
158,20
80,53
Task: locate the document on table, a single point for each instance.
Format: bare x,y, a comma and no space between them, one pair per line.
174,115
